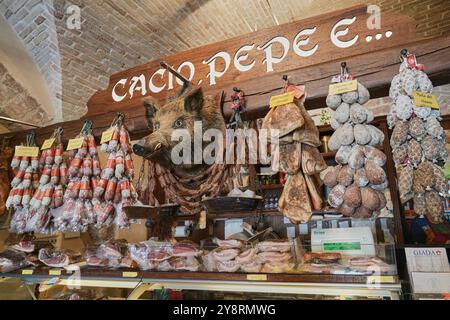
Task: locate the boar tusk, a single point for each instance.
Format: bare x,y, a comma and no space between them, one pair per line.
158,146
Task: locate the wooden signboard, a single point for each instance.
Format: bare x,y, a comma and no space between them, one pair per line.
256,61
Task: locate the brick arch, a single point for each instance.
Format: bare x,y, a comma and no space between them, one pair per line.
33,22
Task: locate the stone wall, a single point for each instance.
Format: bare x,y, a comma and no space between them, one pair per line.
15,102
33,22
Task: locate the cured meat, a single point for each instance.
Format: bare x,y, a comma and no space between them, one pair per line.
186,249
294,202
209,262
252,266
312,160
274,246
231,243
53,258
278,266
188,263
290,157
286,119
316,197
224,254
247,256
228,266
23,246
270,256
11,260
321,257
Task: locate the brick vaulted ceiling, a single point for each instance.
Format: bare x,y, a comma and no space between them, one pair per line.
116,35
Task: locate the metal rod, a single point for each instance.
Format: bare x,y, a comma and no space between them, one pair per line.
174,72
19,122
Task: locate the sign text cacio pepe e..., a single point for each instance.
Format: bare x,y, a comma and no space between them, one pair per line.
278,50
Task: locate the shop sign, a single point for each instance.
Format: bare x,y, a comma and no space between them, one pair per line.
253,59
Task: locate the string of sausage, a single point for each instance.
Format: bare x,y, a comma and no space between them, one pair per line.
187,191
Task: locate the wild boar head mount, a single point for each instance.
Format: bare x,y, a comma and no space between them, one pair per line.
179,113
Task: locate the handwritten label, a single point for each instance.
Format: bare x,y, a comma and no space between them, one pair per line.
54,272
22,151
425,100
343,87
281,99
48,143
27,271
106,136
257,277
75,144
380,279
128,274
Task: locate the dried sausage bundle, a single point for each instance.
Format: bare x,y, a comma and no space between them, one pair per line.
418,142
115,185
358,183
83,171
23,186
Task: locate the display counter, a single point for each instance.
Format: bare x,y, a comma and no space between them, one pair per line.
141,281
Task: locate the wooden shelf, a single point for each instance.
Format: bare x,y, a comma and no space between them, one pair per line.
245,214
43,273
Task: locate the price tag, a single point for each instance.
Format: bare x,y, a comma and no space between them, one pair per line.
343,87
27,271
106,136
75,144
48,143
128,274
425,100
380,279
22,151
281,99
257,277
54,272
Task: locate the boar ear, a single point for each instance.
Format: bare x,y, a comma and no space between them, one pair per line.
151,107
194,100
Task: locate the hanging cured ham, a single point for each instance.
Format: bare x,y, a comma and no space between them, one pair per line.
295,153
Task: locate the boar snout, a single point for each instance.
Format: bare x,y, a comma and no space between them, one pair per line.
139,150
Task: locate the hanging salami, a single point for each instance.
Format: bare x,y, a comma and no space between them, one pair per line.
418,140
83,172
115,185
358,183
25,164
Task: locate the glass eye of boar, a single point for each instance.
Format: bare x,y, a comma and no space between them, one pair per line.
178,123
156,126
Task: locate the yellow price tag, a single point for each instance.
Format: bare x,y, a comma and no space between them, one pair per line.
128,274
380,279
343,87
48,143
27,271
75,144
257,277
425,100
22,151
54,272
106,136
281,99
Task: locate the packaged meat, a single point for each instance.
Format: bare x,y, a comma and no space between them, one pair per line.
225,254
228,266
53,258
274,246
11,260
